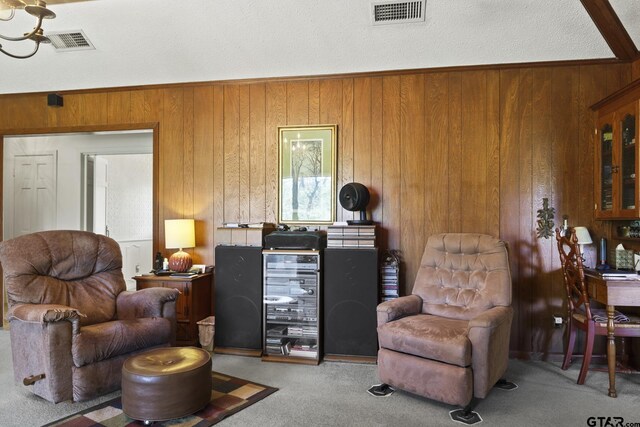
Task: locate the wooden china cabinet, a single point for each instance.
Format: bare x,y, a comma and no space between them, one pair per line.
617,156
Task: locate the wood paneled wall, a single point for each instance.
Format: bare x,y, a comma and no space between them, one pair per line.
459,151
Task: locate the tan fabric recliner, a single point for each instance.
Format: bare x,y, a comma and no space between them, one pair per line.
449,340
72,321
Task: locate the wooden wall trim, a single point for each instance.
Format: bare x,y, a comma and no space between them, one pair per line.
624,92
372,74
79,129
611,28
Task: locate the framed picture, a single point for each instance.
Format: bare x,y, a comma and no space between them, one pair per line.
307,174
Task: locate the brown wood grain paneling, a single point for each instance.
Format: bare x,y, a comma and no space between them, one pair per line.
231,153
454,160
618,76
377,162
331,113
543,250
436,154
276,115
244,153
345,142
331,103
361,132
187,153
314,102
297,103
412,135
27,111
218,157
80,109
442,151
119,107
493,152
187,158
510,191
473,153
69,115
137,99
635,70
526,229
257,149
172,163
587,95
94,109
391,207
203,172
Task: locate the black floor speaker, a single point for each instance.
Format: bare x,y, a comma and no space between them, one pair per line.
350,301
238,289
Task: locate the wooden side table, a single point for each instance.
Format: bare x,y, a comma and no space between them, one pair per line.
194,303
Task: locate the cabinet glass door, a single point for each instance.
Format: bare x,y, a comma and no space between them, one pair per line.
606,167
627,141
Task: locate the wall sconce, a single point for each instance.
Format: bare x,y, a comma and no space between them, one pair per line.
179,234
545,220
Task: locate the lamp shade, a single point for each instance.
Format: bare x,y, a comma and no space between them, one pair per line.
584,238
179,233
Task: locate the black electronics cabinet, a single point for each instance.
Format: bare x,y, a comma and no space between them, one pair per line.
292,295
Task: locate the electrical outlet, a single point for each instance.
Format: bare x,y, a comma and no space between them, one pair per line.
557,321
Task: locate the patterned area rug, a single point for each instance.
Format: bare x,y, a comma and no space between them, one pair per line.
228,396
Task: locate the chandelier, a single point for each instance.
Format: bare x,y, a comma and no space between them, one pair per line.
39,10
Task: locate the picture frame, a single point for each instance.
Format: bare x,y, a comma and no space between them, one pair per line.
307,174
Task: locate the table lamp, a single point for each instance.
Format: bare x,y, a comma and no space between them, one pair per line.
584,238
179,233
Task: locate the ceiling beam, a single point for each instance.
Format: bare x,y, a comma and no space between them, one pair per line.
611,28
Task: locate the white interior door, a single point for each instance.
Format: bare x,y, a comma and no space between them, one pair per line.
100,188
34,195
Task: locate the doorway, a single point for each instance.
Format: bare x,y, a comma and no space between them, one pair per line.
47,170
116,202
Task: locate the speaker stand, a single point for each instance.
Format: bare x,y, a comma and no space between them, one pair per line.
362,221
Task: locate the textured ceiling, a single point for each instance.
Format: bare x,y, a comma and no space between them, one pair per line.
154,41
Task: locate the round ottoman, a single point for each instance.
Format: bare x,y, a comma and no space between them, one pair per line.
166,383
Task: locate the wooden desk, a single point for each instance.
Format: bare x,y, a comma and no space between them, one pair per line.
612,293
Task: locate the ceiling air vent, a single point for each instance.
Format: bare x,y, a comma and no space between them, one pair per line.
67,41
395,12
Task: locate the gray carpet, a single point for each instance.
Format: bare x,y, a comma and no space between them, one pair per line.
334,394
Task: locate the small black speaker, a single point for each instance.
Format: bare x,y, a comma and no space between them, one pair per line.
350,301
54,100
238,288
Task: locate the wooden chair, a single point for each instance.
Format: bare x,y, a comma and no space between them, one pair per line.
593,321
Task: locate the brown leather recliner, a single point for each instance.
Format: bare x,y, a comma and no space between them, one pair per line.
449,340
72,322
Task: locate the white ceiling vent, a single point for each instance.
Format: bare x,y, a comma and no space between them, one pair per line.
396,12
67,41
